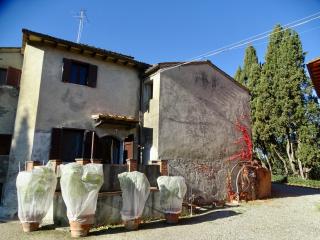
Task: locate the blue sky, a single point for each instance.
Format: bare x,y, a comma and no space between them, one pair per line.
158,31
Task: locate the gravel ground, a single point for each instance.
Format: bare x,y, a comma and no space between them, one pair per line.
293,213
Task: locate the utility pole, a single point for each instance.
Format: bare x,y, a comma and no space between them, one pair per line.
82,19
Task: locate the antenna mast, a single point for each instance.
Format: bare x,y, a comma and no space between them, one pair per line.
82,19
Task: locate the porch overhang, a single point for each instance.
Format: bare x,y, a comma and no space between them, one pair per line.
106,118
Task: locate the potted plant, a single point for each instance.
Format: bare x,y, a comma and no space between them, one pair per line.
135,189
35,189
80,185
172,192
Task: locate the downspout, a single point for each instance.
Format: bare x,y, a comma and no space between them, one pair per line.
140,149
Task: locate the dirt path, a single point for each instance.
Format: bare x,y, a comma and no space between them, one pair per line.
293,213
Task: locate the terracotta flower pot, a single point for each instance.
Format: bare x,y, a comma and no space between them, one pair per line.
81,229
30,226
132,224
172,218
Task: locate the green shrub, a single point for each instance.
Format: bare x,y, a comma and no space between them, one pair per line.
315,173
296,181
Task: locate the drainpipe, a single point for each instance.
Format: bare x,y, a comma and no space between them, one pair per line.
141,77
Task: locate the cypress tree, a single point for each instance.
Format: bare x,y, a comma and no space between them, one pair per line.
250,59
285,114
237,75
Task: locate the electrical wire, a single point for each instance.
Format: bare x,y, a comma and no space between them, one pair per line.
257,35
249,40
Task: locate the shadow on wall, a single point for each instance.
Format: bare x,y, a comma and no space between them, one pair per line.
282,191
206,217
19,154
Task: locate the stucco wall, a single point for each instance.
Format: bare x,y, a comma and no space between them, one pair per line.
198,109
71,105
9,57
67,104
22,141
151,115
8,107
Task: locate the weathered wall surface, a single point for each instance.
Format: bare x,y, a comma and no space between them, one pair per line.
23,136
8,107
199,106
108,209
9,57
71,105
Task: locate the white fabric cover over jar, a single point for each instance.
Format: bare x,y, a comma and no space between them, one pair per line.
35,190
172,192
135,189
80,185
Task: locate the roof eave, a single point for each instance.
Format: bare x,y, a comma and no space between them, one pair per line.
39,38
159,66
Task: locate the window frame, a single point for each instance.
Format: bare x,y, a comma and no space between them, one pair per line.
91,70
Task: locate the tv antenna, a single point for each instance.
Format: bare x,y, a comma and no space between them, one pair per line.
82,16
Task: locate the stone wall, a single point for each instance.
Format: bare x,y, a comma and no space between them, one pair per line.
109,199
108,209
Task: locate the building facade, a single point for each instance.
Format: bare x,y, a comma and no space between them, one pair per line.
10,71
77,101
191,113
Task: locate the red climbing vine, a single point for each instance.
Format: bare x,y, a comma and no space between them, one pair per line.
244,156
244,141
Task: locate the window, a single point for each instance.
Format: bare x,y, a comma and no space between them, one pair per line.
66,144
79,73
148,94
72,145
149,90
3,76
10,76
5,144
69,144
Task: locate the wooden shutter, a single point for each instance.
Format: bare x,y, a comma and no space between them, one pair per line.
66,70
13,76
56,143
92,77
128,148
97,147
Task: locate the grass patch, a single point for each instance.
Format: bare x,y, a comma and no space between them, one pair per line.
296,181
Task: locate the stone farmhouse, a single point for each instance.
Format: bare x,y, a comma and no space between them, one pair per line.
61,100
